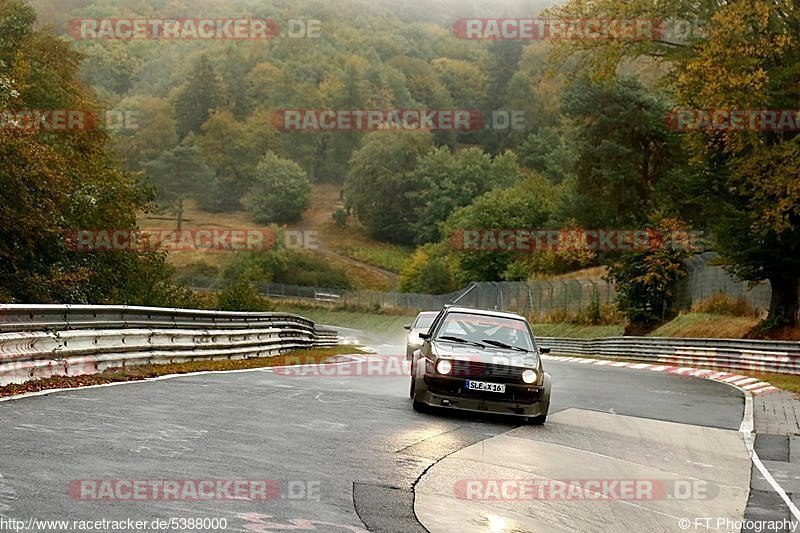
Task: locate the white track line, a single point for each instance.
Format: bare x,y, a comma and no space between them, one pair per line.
45,392
744,384
747,428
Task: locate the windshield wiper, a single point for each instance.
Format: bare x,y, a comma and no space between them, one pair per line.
460,340
504,345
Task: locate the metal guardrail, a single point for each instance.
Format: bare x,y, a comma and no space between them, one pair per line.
741,354
45,340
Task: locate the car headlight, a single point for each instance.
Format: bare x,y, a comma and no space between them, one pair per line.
444,366
529,376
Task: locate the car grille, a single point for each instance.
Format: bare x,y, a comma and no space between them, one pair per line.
452,387
488,371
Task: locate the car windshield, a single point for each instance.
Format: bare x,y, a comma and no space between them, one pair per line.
496,331
424,321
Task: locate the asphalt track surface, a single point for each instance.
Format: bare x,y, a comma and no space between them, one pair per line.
346,451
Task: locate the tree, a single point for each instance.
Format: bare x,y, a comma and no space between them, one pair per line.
526,206
623,149
380,179
550,152
645,279
746,183
201,94
427,271
281,192
54,184
501,64
154,129
178,174
750,180
465,81
446,181
228,150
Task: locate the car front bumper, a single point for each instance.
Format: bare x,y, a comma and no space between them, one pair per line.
518,400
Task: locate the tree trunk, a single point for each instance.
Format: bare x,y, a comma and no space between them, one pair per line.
785,302
180,214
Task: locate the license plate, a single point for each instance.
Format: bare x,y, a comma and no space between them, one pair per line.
485,386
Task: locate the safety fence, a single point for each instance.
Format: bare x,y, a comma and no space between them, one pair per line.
740,354
46,340
704,278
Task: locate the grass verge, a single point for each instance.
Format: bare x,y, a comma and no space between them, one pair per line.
576,331
788,382
706,325
140,372
373,322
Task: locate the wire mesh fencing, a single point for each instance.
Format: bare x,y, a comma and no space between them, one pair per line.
538,297
706,278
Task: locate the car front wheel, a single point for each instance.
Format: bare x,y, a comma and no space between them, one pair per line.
537,420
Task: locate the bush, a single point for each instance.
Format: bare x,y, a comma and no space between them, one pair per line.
280,265
645,281
282,190
340,217
305,269
595,314
242,296
425,273
722,304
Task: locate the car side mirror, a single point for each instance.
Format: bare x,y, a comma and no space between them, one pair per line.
424,336
544,349
407,326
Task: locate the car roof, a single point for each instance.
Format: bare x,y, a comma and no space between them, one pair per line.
485,312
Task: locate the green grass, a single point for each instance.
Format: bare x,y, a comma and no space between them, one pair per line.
576,331
387,257
706,325
392,324
383,324
789,382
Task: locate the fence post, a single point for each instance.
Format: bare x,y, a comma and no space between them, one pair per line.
530,299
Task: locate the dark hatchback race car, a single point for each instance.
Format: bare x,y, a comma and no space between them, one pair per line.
485,361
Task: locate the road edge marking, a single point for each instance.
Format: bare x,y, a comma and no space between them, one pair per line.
747,429
753,384
45,392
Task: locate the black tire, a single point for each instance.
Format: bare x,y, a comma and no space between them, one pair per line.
537,420
418,406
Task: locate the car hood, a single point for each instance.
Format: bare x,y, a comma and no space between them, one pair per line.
489,354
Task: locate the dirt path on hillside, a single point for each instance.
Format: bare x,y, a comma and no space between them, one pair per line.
324,202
